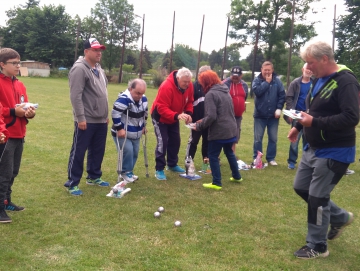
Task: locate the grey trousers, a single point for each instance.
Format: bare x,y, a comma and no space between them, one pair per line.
9,167
314,181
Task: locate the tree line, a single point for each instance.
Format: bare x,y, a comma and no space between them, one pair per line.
48,34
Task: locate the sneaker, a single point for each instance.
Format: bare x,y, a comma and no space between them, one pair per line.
160,175
212,186
349,172
290,165
135,177
273,163
128,177
236,180
308,253
176,169
335,232
75,191
4,218
12,207
98,182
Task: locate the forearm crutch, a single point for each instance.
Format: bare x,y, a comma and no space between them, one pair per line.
121,150
143,140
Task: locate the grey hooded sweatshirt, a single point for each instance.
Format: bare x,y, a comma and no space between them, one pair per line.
88,93
219,114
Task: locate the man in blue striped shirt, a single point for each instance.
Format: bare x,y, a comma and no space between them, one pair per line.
129,115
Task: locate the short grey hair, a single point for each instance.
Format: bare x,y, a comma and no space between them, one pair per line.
317,50
132,83
184,72
204,68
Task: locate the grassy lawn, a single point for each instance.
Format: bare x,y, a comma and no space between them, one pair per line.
256,225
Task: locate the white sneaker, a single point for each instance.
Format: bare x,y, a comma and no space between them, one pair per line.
273,163
135,177
128,177
349,172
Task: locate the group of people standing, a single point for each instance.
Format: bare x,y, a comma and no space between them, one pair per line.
329,106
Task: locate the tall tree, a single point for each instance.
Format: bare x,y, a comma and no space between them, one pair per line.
348,37
215,58
42,34
275,23
112,15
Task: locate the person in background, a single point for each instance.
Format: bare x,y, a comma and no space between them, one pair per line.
269,101
89,99
219,119
332,112
238,92
295,99
173,102
198,104
129,115
16,115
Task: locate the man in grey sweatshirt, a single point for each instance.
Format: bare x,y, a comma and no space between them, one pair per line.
89,99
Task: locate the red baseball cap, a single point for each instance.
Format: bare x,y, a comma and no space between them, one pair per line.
93,43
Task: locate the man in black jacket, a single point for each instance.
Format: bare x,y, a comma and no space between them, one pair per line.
332,112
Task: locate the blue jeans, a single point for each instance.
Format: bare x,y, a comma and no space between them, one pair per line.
272,125
293,151
130,152
214,149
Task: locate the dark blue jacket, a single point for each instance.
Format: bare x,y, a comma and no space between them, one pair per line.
268,96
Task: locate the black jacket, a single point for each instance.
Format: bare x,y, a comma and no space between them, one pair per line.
335,109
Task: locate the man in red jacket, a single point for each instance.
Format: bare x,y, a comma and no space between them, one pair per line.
174,102
238,90
13,98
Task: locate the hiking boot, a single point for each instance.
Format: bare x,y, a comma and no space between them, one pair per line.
308,253
335,232
291,166
98,182
160,175
75,191
12,207
212,186
176,169
236,180
4,218
273,163
128,177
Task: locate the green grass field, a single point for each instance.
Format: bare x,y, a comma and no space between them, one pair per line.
256,225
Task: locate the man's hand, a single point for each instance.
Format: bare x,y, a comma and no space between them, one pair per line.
20,111
144,131
268,78
82,125
2,138
30,112
293,134
306,120
187,118
121,133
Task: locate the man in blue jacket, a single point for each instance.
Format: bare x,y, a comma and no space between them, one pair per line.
269,101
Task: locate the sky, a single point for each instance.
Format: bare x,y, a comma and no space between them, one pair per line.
188,20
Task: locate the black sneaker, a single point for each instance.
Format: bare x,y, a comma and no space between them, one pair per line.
308,253
4,218
13,207
335,232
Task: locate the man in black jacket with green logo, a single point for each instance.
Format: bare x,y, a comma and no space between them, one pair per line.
332,112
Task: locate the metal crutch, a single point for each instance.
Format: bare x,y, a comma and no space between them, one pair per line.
145,152
121,150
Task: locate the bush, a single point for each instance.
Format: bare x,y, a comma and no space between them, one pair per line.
55,73
157,79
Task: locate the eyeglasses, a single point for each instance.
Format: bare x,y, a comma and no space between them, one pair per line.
15,63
